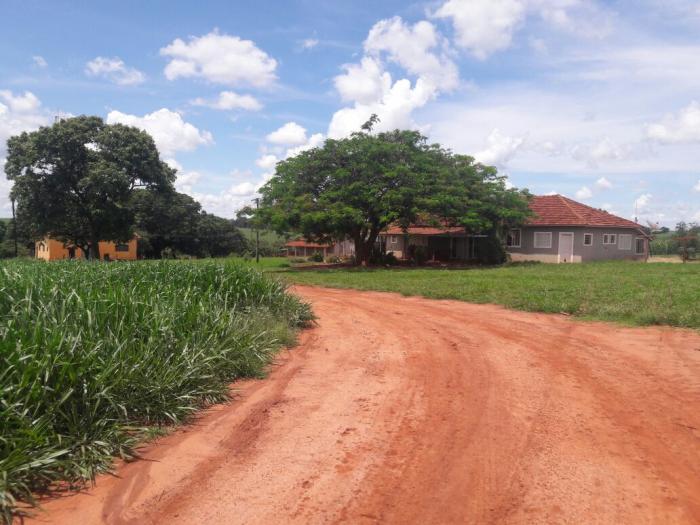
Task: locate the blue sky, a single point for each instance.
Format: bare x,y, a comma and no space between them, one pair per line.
599,101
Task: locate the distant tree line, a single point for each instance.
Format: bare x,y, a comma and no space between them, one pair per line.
684,241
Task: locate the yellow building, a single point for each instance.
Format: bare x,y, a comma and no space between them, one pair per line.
53,250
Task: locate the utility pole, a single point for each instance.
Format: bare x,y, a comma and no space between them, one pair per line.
14,224
257,233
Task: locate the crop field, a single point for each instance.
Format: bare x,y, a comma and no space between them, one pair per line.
97,357
626,292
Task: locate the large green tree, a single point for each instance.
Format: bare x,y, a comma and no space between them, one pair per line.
356,187
73,180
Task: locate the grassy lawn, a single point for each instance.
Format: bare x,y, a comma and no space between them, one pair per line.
627,292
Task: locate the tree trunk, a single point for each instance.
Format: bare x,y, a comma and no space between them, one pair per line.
94,253
363,245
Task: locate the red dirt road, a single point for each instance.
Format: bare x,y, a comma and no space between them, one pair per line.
407,410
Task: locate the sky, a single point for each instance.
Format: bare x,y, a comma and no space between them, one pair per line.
598,101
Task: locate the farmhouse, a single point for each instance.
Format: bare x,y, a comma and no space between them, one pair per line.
303,248
561,230
53,250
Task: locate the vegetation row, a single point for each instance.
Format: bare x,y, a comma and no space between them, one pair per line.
95,357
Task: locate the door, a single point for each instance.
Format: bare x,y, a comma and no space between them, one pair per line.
566,247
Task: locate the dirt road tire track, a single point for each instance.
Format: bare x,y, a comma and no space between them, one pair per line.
407,410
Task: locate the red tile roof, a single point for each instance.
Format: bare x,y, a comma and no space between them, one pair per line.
557,210
549,210
300,243
423,230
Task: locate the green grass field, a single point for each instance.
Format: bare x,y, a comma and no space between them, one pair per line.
94,357
626,292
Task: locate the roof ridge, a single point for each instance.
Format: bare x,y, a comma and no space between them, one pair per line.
567,202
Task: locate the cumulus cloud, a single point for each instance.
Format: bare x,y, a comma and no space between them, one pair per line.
603,184
168,129
500,150
394,109
228,100
414,49
40,61
683,127
584,193
18,112
234,197
314,141
220,58
483,27
290,134
267,162
364,83
419,50
114,70
642,201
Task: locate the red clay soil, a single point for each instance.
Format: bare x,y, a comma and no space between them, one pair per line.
407,410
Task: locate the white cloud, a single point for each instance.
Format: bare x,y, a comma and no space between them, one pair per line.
24,103
228,100
364,83
697,186
168,129
39,61
603,184
642,201
314,141
413,48
309,43
500,150
681,128
115,70
584,193
420,50
185,181
267,162
18,113
290,134
394,109
602,150
220,58
483,26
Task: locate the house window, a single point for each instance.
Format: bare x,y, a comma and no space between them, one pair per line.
639,246
122,247
588,239
625,241
609,238
513,239
394,239
543,239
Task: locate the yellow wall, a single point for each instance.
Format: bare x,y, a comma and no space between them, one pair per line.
53,250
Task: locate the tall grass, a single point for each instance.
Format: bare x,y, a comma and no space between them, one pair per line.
93,355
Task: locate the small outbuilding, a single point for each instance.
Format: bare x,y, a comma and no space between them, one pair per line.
53,250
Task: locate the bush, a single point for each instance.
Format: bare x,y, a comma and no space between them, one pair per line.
93,356
316,257
333,259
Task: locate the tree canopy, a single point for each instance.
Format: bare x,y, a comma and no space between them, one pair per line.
172,223
73,180
356,187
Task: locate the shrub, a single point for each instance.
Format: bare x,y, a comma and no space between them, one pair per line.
93,356
316,257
